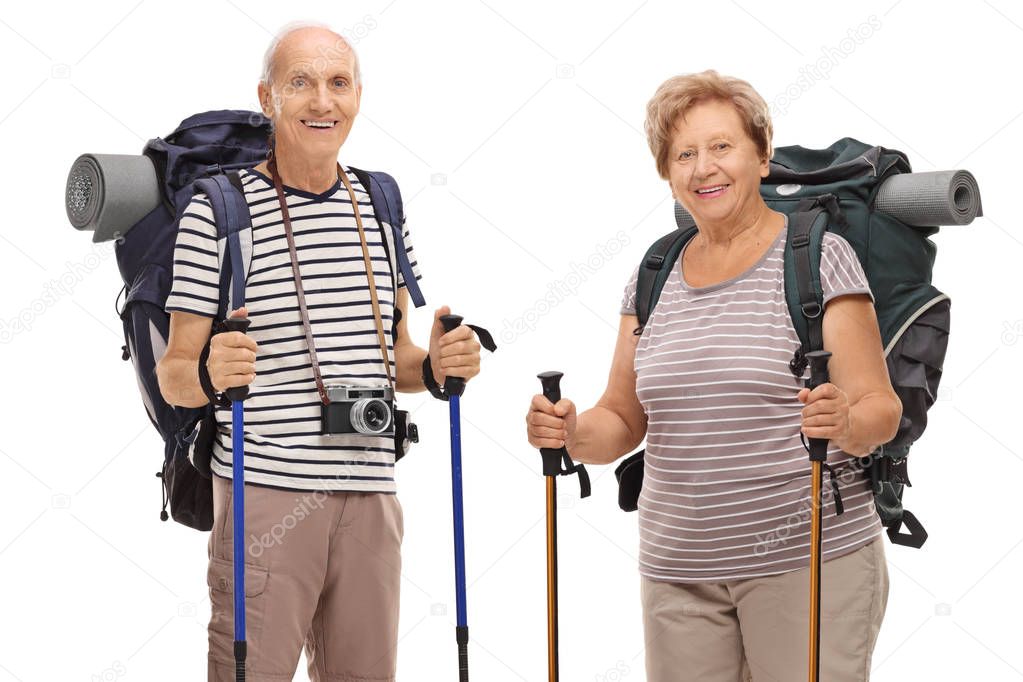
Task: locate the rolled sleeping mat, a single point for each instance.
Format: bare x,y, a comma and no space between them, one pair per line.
108,193
916,199
928,199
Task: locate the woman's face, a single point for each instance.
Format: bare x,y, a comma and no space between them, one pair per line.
711,149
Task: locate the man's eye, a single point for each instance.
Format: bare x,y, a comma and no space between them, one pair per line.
722,145
340,82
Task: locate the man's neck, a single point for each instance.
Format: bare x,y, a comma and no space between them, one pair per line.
316,176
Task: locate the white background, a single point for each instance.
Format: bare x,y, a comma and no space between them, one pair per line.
515,133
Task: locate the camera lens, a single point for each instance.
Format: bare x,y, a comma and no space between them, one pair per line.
370,415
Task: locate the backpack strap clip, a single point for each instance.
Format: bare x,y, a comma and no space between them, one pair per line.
654,261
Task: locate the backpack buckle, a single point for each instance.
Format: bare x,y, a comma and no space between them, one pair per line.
884,469
654,261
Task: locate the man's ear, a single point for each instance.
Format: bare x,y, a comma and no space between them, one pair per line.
265,101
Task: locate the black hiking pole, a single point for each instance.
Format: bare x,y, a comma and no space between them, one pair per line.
552,460
818,456
237,396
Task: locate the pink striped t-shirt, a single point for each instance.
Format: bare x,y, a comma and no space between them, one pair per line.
726,478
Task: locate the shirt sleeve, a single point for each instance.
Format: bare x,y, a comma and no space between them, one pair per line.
411,257
841,271
629,296
195,287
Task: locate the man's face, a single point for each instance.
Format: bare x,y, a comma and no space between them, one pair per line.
313,101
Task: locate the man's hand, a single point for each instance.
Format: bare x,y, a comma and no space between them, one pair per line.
232,360
455,353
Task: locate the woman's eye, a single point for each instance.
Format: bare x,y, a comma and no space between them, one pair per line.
298,82
685,156
722,145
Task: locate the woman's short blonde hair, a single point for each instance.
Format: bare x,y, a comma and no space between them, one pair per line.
679,94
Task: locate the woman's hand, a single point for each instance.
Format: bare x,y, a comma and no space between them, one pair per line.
826,413
551,425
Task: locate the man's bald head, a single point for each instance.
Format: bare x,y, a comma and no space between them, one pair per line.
329,50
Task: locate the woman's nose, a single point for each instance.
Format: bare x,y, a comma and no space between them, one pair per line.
704,165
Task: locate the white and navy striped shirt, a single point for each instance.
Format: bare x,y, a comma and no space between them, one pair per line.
726,478
283,445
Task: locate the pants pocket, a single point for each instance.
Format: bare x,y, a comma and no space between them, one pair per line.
848,584
220,578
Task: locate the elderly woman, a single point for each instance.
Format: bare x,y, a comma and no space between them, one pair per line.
723,513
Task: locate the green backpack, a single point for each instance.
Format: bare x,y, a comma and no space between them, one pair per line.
834,189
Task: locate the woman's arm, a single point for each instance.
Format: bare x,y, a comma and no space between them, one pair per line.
870,415
610,429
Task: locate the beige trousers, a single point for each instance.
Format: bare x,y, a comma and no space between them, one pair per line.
758,629
322,570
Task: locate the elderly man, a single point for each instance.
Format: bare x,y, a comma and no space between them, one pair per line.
323,523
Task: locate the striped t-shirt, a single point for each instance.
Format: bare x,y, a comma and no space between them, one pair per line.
283,445
726,484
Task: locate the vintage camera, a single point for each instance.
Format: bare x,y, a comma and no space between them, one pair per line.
368,410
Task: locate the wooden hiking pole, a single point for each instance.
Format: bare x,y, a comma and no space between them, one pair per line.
552,461
818,456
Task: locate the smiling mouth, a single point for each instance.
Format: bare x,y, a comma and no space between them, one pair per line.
716,191
318,125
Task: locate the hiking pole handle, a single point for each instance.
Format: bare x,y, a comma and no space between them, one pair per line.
818,360
237,324
551,382
452,385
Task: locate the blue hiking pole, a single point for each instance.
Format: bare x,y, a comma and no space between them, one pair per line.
237,396
453,387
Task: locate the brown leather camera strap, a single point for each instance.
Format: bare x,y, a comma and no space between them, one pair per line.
377,316
300,293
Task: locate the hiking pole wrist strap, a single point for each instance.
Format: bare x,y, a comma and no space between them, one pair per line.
205,382
553,459
450,322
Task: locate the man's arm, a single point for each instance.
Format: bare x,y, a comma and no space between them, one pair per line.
178,369
408,357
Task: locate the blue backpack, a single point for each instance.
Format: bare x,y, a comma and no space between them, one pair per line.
203,155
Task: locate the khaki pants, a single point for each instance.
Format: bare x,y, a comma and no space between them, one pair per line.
322,570
726,632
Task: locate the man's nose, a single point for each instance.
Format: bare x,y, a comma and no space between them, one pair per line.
321,101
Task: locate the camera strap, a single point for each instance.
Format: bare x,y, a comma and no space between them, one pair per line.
300,293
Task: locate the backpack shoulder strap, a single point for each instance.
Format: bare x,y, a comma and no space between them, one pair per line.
803,291
234,236
388,208
654,270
